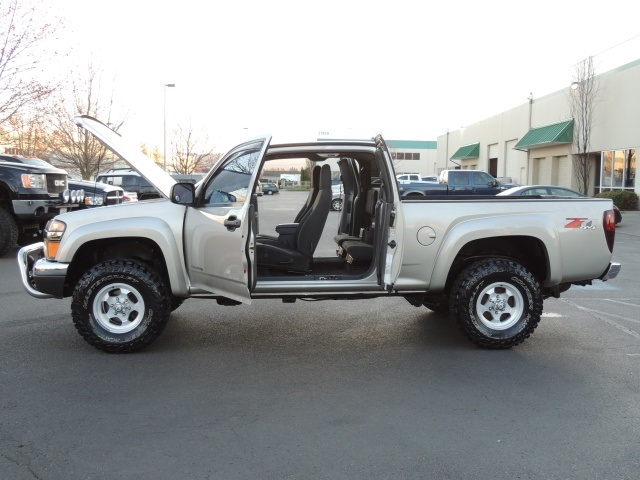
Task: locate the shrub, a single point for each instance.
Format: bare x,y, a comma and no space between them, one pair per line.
623,199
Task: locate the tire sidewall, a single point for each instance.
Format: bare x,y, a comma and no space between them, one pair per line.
470,284
502,277
133,274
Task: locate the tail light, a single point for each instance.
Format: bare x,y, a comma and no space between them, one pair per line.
609,222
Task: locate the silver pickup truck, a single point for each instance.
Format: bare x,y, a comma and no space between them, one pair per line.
488,262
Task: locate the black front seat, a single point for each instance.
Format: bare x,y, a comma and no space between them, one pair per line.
296,254
313,193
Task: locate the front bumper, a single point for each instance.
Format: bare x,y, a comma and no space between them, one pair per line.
611,272
41,209
40,277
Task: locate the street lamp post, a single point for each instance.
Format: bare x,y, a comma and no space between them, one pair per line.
164,153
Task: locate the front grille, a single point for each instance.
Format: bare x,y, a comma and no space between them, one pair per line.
56,182
114,198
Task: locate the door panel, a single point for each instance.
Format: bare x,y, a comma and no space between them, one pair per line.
389,221
220,230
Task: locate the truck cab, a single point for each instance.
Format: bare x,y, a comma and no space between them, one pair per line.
470,182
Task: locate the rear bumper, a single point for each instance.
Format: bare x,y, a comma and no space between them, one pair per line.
41,278
611,272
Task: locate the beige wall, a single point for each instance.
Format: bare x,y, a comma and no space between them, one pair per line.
615,127
424,166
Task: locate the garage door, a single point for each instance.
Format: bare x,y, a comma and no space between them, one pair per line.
564,171
542,170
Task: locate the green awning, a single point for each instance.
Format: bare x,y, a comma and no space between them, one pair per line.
556,134
467,151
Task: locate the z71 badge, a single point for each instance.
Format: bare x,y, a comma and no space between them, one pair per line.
582,223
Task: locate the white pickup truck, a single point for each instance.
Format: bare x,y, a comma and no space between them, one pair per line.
489,262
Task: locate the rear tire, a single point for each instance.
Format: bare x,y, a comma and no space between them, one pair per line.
496,303
120,306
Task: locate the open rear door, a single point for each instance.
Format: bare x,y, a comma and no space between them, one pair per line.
219,232
389,221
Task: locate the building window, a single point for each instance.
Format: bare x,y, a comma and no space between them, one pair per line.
405,155
618,169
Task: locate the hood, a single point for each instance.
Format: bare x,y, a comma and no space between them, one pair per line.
130,153
89,185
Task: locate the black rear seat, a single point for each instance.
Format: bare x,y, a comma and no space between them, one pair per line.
359,250
365,233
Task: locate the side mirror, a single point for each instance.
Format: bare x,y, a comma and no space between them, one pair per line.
494,183
183,193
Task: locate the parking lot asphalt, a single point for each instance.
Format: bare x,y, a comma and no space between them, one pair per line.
367,389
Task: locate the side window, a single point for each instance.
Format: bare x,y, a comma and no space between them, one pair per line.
230,184
117,181
459,178
561,192
130,182
481,178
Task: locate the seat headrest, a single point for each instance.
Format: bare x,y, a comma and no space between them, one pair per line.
315,176
325,176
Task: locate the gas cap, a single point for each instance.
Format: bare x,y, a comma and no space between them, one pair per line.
426,236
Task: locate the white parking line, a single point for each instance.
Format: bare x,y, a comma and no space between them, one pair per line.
621,303
622,328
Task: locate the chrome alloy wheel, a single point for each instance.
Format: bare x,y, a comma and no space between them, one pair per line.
118,308
500,306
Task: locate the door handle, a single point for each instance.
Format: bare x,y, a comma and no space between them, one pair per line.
232,223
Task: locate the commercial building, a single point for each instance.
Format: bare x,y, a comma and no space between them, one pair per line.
533,142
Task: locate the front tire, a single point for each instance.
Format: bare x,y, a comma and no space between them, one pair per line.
496,303
8,231
336,205
120,306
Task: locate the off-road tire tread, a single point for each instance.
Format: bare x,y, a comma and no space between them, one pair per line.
161,304
8,231
463,286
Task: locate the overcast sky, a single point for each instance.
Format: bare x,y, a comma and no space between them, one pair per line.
410,70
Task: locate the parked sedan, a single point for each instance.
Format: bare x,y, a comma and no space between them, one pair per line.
551,191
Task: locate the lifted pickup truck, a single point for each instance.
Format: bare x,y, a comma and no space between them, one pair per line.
32,192
489,263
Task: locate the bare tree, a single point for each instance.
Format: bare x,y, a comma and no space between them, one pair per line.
154,155
27,132
74,146
189,152
21,32
582,102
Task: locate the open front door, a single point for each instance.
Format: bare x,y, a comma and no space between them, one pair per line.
390,218
219,231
